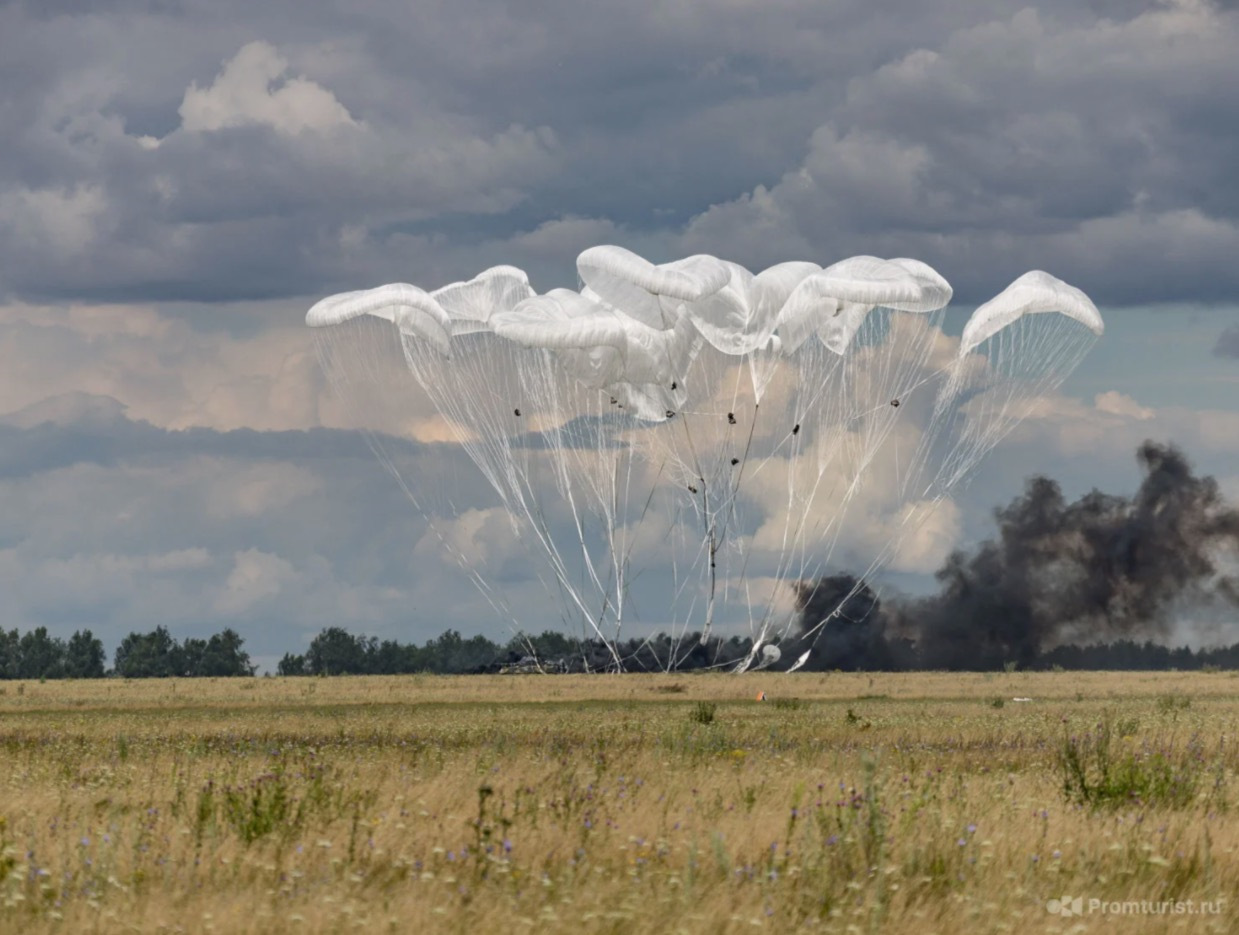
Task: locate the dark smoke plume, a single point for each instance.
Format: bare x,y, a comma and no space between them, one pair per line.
1102,568
842,625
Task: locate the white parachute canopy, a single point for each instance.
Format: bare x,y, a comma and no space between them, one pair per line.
456,309
834,301
1034,292
414,312
650,294
698,422
1015,350
469,305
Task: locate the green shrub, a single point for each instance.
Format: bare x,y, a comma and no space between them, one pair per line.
1169,704
703,712
1099,772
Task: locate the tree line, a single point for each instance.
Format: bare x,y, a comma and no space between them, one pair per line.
334,651
38,655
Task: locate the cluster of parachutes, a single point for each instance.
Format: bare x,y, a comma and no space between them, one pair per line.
709,425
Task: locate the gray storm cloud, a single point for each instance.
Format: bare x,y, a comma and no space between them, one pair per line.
1227,343
250,159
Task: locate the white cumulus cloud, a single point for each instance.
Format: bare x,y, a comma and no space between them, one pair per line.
253,89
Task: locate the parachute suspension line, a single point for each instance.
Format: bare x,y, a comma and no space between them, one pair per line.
578,523
329,349
544,535
708,522
744,461
797,515
886,383
879,560
614,547
1028,359
713,557
610,497
645,509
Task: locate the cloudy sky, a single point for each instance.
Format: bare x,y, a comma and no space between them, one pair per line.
180,180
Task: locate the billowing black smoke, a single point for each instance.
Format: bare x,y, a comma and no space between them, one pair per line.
1098,569
842,626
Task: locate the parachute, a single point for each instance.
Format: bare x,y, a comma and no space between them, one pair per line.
1015,349
712,429
1034,292
414,312
650,294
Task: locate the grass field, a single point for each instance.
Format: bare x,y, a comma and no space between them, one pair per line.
849,803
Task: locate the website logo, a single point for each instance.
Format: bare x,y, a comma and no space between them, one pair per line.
1066,906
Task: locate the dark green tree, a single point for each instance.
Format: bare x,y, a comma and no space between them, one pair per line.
292,664
150,655
10,654
187,657
42,656
393,658
452,653
549,645
84,656
223,656
335,652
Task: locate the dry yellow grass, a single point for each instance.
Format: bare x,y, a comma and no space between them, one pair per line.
850,803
